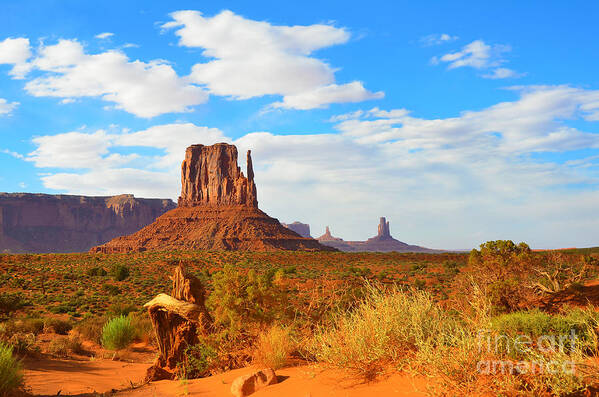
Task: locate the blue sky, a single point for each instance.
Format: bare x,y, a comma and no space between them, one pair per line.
461,124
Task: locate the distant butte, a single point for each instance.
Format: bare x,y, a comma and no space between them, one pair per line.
382,242
218,209
303,229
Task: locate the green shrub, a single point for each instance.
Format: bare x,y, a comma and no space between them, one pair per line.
581,324
198,360
111,289
97,271
11,301
239,300
11,376
118,333
120,272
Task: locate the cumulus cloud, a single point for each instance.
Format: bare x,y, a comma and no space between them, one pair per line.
250,58
145,89
16,52
437,39
479,55
6,107
449,183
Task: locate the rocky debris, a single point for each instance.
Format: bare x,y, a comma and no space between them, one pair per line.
178,321
44,223
248,384
303,229
382,242
210,175
218,211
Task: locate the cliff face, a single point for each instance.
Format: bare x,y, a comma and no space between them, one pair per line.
210,176
218,209
62,223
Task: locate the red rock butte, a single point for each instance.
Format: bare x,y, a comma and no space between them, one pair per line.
218,210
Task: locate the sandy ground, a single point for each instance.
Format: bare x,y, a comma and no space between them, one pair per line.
304,381
48,377
44,377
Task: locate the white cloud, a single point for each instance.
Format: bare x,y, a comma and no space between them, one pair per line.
6,107
250,58
322,96
143,89
104,35
13,154
502,73
16,52
448,183
437,39
479,55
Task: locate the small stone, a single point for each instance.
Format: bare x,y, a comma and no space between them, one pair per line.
251,383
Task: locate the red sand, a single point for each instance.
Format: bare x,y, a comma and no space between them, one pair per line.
46,377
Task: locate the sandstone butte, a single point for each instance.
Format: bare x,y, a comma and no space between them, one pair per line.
44,223
218,210
382,242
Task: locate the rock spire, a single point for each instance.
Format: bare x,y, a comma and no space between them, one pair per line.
384,228
210,176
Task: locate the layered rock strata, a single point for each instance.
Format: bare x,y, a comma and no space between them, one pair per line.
44,223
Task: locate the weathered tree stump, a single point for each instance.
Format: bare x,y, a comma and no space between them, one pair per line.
178,321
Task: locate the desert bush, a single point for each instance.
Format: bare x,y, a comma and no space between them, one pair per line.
557,273
11,301
23,344
118,333
240,299
90,328
57,326
574,329
502,269
144,331
59,347
111,289
198,361
120,309
32,325
96,271
273,347
120,272
11,376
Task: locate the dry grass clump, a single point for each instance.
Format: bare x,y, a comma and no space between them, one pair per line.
409,330
274,346
63,346
387,327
